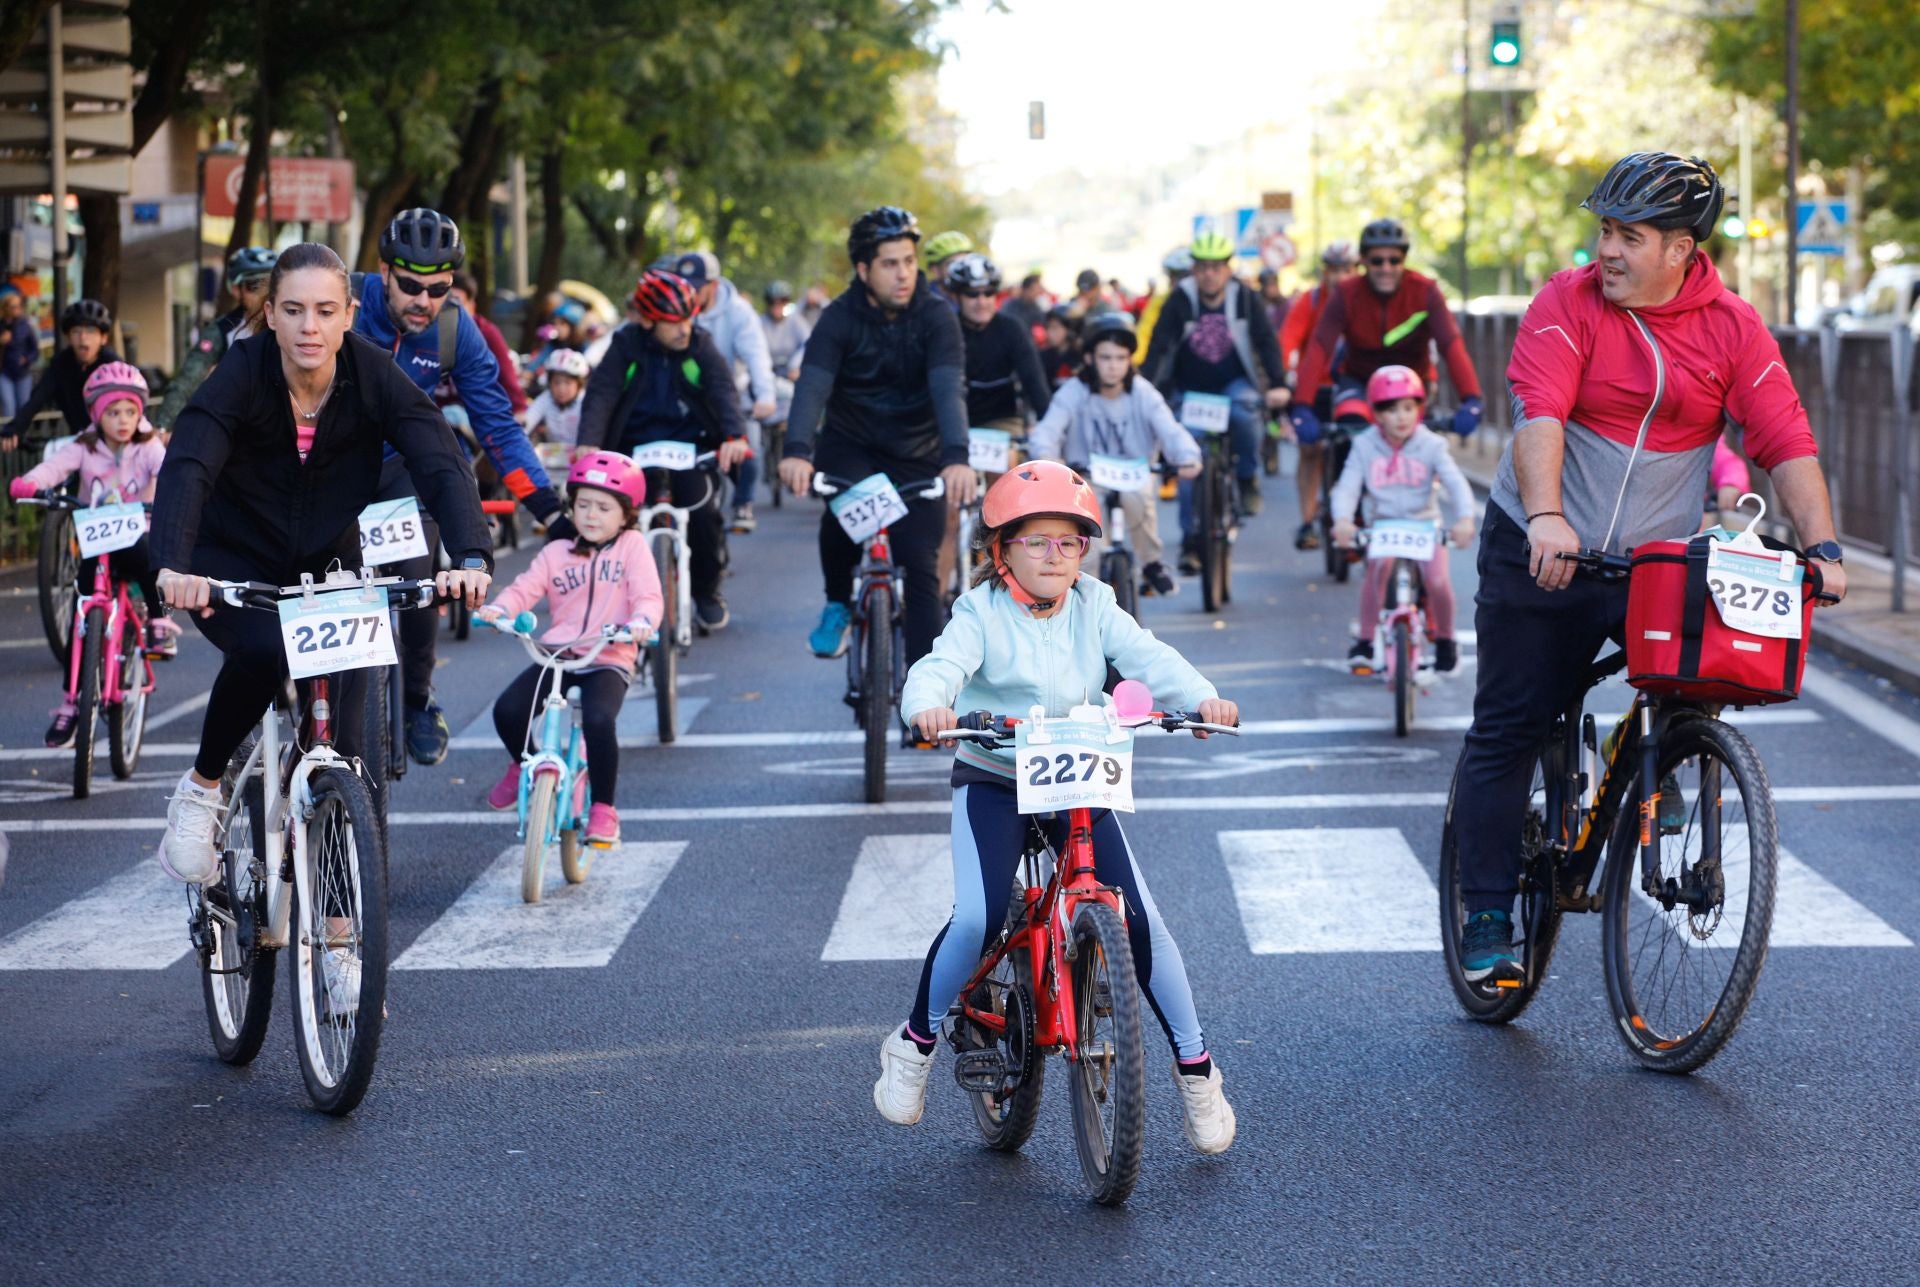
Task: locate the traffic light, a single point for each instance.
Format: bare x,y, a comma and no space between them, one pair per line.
1504,50
1582,257
1733,227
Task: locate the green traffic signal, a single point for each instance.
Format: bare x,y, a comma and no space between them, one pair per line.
1582,257
1504,51
1733,227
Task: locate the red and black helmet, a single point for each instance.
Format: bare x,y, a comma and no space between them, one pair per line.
661,296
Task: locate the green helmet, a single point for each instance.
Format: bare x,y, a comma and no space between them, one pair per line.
943,246
1212,245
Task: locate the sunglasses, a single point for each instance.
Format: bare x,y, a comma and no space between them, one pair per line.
974,294
250,283
1071,547
411,286
1386,261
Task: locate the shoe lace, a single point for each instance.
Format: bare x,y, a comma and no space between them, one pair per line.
197,816
1484,932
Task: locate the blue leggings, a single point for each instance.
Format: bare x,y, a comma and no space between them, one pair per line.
988,833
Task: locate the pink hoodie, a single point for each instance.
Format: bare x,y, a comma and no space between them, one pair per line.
127,476
616,584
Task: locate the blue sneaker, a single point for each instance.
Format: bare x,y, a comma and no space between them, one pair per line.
1486,950
829,638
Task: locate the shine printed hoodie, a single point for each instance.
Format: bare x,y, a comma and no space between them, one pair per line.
614,584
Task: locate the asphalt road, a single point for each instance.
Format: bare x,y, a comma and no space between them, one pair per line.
665,1074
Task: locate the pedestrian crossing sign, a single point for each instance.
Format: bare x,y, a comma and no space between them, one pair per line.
1820,227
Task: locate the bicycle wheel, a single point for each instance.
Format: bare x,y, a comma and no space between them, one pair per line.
1538,927
86,721
666,651
776,436
1683,959
236,978
59,593
1116,569
459,618
540,807
1006,1117
1403,690
576,856
876,692
127,727
339,979
1109,1080
377,743
1207,518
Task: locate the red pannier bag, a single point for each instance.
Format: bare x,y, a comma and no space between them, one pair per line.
1677,645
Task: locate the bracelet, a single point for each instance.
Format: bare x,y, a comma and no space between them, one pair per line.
1546,513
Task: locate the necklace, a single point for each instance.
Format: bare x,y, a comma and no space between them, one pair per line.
315,413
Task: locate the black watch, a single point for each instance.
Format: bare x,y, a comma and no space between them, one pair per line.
1826,552
474,563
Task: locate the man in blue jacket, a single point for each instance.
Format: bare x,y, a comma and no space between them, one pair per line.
403,307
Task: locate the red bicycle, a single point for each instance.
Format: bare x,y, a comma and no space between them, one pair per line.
1060,980
108,670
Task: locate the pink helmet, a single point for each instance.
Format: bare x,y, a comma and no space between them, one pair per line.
610,472
1392,383
109,384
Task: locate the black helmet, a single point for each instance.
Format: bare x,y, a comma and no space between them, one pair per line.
973,272
423,240
1661,189
881,224
1383,232
1064,314
251,261
1110,325
86,312
778,290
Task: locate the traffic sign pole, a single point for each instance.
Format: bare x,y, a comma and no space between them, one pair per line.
57,141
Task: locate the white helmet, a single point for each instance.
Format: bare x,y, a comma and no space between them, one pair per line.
567,362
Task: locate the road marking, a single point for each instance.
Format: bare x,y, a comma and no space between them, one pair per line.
135,921
637,723
1808,909
179,711
573,927
900,894
1331,889
1874,716
23,643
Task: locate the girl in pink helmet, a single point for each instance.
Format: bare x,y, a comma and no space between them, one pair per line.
604,576
118,460
1397,463
1036,631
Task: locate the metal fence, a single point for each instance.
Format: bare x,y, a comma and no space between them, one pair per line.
19,525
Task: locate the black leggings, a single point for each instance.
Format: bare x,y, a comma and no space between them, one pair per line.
601,693
419,631
254,669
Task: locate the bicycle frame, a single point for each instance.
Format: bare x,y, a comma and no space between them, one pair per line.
110,593
559,728
664,515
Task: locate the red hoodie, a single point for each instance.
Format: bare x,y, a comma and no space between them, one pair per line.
1389,330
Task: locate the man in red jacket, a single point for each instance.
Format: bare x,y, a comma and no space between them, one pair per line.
1622,375
1337,264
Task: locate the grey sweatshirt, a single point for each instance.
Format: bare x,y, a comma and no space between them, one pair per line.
1401,482
1080,423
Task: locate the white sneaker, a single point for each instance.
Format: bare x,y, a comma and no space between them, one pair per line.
901,1092
1209,1117
186,851
340,968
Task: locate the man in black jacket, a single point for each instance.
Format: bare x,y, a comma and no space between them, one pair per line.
664,380
86,324
885,370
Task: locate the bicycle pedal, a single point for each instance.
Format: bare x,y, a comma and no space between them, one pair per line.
983,1072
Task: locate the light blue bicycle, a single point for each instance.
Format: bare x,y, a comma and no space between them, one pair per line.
552,800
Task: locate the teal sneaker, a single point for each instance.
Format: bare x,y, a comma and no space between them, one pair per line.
1673,807
1486,950
829,638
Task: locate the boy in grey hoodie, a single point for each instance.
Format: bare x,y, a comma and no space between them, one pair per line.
1398,462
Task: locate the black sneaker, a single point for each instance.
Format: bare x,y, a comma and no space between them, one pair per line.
1155,579
1360,657
1189,556
427,735
1307,536
1250,501
1486,950
1446,656
711,614
60,732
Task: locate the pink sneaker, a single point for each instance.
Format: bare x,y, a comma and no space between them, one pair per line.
603,826
506,792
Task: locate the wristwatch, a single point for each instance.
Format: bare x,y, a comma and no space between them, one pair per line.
1826,552
474,563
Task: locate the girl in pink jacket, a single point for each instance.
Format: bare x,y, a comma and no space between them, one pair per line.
605,577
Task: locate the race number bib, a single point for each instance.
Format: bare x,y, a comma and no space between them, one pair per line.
989,450
1756,593
106,528
666,455
1071,764
391,531
1206,412
1403,538
1120,473
867,506
336,630
554,457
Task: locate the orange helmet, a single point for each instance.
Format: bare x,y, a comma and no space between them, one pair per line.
1041,487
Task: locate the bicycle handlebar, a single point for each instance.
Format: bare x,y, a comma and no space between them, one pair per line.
994,731
67,501
925,489
403,593
1601,566
553,655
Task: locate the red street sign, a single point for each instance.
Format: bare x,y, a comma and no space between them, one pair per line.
306,189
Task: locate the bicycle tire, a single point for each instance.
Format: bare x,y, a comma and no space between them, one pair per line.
1109,1157
57,572
239,1001
876,693
338,1050
1116,569
1539,921
377,750
576,856
1205,519
541,801
1006,1120
1403,687
1626,937
86,705
127,730
666,649
776,436
459,618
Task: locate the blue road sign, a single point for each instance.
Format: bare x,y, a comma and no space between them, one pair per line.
1820,227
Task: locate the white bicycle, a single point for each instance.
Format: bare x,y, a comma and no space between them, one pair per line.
666,526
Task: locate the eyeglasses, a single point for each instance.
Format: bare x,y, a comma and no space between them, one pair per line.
1386,261
413,286
1037,547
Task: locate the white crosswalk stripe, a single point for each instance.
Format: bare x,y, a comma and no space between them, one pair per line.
572,927
1808,909
898,897
1331,889
136,921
